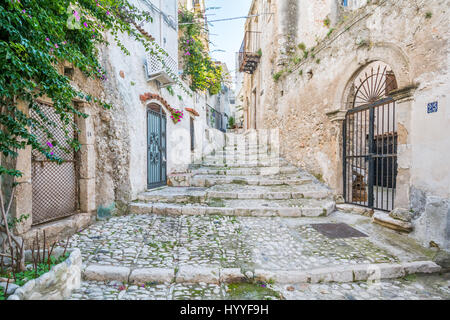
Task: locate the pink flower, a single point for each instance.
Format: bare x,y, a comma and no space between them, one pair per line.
108,13
50,145
47,39
76,14
56,46
23,11
85,24
51,153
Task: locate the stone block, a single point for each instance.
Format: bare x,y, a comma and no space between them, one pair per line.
385,220
87,133
159,275
421,267
193,210
87,195
196,274
141,208
391,271
401,214
230,275
106,273
23,164
22,205
87,162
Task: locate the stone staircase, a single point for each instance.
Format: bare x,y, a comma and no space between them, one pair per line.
217,231
247,177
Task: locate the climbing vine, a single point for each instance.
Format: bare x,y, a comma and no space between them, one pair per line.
36,37
204,74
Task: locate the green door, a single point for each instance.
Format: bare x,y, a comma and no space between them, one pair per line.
156,147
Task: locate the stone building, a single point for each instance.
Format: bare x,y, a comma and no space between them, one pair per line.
124,151
359,92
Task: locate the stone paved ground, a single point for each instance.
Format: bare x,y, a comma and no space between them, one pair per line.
138,241
431,287
244,209
228,242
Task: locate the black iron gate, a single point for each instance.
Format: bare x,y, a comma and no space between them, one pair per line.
156,146
370,144
54,186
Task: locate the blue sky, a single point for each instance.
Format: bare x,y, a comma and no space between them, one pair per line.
227,35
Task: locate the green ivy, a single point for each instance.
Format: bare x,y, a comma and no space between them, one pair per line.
203,73
36,37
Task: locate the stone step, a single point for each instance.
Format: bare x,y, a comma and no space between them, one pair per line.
216,275
246,154
211,180
245,171
254,208
174,195
245,164
230,191
283,192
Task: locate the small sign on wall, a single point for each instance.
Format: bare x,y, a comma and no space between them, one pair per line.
432,107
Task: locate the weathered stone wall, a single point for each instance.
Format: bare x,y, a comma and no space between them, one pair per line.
307,104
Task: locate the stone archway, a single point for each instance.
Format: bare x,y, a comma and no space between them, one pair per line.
370,139
393,56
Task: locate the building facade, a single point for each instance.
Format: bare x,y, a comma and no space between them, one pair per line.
359,92
133,147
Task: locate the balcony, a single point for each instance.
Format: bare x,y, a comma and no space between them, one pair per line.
155,70
250,52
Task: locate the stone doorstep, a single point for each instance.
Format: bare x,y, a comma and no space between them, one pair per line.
173,209
350,208
383,219
217,275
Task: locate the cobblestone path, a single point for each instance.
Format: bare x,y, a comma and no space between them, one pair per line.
413,288
246,216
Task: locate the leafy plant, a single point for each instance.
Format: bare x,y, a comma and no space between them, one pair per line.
36,38
203,73
302,46
326,22
428,14
170,90
330,32
176,115
231,122
259,52
278,75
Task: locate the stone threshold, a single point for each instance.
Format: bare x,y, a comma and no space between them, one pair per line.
379,217
217,275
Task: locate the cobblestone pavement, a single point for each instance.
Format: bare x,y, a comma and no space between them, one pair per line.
432,287
229,242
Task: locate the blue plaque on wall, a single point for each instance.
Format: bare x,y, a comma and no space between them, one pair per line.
432,107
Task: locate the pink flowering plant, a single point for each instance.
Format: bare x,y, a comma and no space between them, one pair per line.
176,115
198,67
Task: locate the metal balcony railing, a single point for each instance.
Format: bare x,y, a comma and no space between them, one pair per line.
155,70
250,52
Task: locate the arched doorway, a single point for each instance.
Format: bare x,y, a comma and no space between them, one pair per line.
370,140
156,146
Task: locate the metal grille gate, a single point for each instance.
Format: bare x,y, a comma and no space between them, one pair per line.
370,144
156,146
54,186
